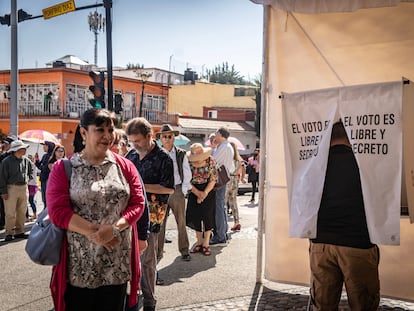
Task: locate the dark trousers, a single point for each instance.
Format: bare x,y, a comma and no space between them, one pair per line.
104,298
255,183
43,191
2,214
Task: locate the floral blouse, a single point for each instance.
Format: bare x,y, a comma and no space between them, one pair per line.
205,173
98,193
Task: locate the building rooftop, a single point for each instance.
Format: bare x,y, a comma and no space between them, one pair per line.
201,125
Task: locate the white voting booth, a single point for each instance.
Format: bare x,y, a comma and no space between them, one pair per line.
325,60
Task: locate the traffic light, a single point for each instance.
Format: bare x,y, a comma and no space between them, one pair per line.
22,15
98,89
5,20
118,103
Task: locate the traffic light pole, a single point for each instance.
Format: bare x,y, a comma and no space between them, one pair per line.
14,128
108,7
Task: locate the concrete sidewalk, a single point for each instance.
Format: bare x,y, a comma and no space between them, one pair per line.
226,280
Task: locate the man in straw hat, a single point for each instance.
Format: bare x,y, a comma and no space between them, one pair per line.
156,169
15,171
176,201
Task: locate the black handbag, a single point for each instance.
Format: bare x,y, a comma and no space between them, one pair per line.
45,240
223,177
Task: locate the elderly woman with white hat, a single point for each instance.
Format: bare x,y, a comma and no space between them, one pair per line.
15,172
201,203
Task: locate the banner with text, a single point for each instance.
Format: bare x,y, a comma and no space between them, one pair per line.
372,118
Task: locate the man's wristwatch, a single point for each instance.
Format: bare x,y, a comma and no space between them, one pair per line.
116,232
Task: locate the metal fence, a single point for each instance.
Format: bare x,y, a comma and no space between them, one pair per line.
73,109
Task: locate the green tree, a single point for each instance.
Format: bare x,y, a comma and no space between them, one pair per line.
225,74
134,66
258,100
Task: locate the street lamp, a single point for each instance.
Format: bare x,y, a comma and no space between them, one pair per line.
144,78
169,70
96,24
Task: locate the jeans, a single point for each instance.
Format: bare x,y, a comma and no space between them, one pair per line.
220,231
43,190
32,205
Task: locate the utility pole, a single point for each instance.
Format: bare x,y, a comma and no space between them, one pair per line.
108,8
14,82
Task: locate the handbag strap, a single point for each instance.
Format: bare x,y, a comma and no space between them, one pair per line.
68,169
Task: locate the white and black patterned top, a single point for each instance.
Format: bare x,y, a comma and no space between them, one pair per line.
99,193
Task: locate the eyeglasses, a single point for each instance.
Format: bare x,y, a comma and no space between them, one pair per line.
167,136
60,150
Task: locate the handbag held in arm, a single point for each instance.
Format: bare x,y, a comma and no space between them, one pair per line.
45,240
223,177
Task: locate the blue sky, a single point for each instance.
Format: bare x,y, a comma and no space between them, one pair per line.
199,34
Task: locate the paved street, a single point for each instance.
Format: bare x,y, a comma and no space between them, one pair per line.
226,280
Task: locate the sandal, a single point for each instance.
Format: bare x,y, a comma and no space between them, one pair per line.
206,251
196,249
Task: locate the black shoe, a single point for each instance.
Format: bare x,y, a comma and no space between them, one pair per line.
186,257
158,282
167,241
218,243
8,238
149,308
21,236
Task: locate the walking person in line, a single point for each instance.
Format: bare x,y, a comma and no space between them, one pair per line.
5,147
15,172
43,166
57,154
342,251
157,171
253,172
120,146
223,155
33,188
201,205
98,207
176,201
233,187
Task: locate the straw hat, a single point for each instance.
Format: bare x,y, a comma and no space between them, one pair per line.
198,152
17,145
166,128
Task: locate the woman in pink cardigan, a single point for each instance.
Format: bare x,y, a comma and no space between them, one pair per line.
98,208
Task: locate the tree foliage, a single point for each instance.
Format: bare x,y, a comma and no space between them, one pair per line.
134,66
258,100
225,74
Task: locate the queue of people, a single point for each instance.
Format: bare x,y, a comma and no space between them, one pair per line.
116,203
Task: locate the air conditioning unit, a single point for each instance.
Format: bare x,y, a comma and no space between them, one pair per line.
212,114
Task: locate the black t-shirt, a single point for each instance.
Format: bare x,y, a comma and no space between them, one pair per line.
341,216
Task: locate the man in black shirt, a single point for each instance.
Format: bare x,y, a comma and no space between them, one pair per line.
342,250
156,169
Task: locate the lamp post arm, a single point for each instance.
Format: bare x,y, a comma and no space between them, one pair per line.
142,98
